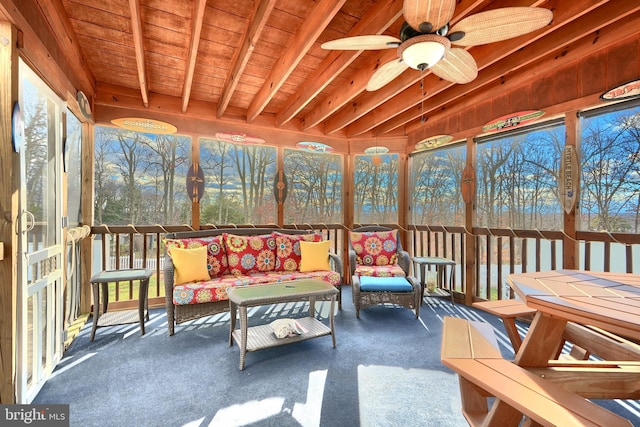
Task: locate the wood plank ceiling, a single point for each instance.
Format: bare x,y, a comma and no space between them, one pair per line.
260,61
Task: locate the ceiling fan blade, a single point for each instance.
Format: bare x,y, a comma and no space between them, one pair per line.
499,24
458,66
363,43
385,74
435,12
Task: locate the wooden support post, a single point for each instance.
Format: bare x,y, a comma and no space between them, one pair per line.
569,243
88,212
469,185
8,212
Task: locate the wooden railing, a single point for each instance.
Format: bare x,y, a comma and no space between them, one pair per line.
499,252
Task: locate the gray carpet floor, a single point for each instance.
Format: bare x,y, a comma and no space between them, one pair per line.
385,371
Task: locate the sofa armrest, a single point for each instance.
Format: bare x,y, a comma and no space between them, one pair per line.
352,262
336,264
404,261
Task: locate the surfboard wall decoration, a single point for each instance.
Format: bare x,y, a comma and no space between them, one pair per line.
239,138
314,147
512,121
145,125
624,91
433,142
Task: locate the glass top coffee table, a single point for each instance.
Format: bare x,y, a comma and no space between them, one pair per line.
261,337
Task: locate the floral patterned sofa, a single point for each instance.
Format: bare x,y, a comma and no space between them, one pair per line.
235,257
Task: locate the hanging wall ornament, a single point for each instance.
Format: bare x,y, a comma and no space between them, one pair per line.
468,183
280,187
195,183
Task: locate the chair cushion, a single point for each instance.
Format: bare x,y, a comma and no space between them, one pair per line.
375,247
248,254
381,271
288,254
216,253
216,290
385,284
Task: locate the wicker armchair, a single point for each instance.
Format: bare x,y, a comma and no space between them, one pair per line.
409,298
404,260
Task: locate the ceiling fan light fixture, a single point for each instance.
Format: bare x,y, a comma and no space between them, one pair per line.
424,51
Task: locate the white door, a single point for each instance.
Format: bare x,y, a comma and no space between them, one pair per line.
40,260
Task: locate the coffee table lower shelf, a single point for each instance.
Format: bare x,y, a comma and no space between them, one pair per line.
262,337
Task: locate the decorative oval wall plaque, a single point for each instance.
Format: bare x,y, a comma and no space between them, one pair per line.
17,128
569,178
238,138
83,103
624,91
195,183
512,121
145,125
314,147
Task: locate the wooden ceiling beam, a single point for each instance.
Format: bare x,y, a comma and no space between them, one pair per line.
529,57
376,21
66,38
582,46
341,97
321,15
486,55
261,12
136,32
198,17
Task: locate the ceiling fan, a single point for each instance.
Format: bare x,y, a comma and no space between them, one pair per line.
425,39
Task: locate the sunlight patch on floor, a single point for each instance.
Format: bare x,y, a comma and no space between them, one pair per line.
306,413
391,396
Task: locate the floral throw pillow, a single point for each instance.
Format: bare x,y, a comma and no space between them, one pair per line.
247,254
216,254
288,254
375,248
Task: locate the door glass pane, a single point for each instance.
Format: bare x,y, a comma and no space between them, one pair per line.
40,137
73,167
29,339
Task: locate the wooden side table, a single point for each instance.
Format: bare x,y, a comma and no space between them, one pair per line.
441,268
119,317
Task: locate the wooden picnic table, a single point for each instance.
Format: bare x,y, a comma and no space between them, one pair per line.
610,301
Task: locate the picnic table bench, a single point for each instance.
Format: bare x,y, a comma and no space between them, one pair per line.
470,349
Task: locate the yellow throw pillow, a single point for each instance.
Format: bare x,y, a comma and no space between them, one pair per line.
190,265
315,256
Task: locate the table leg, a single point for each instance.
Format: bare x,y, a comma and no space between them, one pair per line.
142,303
542,341
333,332
312,307
232,321
105,296
423,281
95,288
243,335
